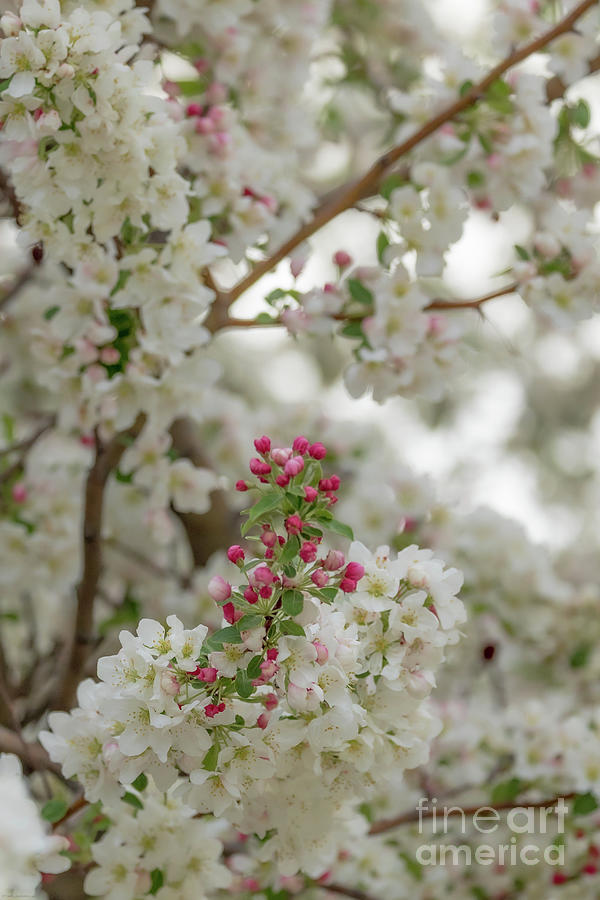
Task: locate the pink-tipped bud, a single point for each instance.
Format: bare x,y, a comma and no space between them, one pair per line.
322,652
204,125
320,578
19,492
318,450
271,701
219,589
143,881
293,524
193,109
201,65
281,455
272,653
231,614
241,485
282,480
208,674
269,668
265,591
354,571
263,719
347,585
294,466
250,595
263,575
262,444
342,259
212,709
258,467
300,445
216,93
310,493
169,683
308,552
296,265
268,538
269,553
235,554
110,356
334,561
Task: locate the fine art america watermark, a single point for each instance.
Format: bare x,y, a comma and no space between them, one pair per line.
485,820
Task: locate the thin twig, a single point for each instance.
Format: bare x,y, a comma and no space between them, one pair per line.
349,195
347,891
416,815
32,755
107,459
23,278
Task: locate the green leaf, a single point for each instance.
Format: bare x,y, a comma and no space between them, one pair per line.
288,626
290,549
521,252
8,427
485,143
51,312
414,866
580,656
580,114
253,669
465,87
211,758
383,242
292,603
340,528
328,594
141,782
132,800
389,184
126,614
158,879
277,294
264,318
228,635
584,804
506,791
475,179
359,292
243,684
54,809
266,504
250,620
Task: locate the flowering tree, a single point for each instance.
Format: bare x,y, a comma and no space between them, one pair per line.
208,685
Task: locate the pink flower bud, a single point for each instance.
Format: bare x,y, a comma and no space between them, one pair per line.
231,614
308,552
271,701
193,109
169,684
262,444
294,466
265,591
282,480
354,571
235,554
258,467
19,492
317,451
296,265
320,578
204,126
322,652
269,668
263,575
216,93
208,674
310,493
334,561
241,485
342,259
211,709
143,881
250,595
281,455
263,720
201,65
272,653
269,538
300,445
293,524
347,585
219,589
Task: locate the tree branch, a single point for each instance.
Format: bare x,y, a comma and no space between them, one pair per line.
106,460
346,891
416,815
350,194
23,278
32,755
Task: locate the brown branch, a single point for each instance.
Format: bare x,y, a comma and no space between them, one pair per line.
75,807
23,278
416,815
145,562
32,755
555,87
351,194
346,891
9,192
106,460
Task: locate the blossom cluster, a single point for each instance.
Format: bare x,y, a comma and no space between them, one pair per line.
322,668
